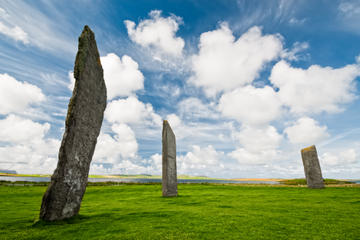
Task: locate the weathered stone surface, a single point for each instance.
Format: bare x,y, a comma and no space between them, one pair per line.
169,178
312,168
83,122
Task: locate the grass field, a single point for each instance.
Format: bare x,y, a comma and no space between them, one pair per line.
200,212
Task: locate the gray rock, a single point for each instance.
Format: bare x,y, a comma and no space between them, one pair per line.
169,178
312,168
83,122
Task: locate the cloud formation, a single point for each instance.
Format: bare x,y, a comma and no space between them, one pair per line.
258,145
114,149
224,63
316,89
200,161
158,33
16,96
306,131
250,105
122,76
131,110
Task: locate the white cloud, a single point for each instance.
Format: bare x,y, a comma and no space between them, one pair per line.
158,33
258,145
72,81
15,32
251,105
25,22
224,64
16,96
131,110
200,161
293,54
244,156
10,30
306,131
346,157
193,108
258,138
19,130
174,120
315,89
122,145
122,76
349,8
296,21
24,147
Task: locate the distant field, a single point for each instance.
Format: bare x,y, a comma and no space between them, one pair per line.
202,211
109,176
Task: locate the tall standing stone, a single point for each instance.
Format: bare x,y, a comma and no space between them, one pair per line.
169,178
83,122
312,168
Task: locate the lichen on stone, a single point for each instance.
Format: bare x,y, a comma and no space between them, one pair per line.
311,148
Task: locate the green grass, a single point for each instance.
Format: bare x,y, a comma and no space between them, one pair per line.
202,211
302,181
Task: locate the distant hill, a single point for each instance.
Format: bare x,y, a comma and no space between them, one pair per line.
8,171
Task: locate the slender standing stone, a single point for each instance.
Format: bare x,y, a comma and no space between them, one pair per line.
169,178
312,168
83,122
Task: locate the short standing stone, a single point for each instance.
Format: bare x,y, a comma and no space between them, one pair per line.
83,122
169,178
312,168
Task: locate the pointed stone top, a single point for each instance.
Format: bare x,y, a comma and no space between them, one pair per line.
311,148
166,124
87,51
86,31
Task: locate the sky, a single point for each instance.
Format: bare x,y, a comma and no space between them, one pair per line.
245,85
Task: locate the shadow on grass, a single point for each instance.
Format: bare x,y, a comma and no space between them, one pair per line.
38,223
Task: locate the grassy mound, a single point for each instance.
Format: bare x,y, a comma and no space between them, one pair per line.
302,181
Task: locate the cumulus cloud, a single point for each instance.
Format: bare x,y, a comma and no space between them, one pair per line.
19,130
174,120
114,149
16,96
315,89
131,110
224,63
346,157
251,105
158,33
258,145
200,161
122,76
25,148
306,131
124,167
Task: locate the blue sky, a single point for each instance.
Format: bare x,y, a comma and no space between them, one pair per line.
244,84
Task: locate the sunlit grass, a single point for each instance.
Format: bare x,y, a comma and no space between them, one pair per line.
202,211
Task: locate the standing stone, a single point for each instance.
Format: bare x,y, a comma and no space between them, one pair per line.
312,168
169,178
83,122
